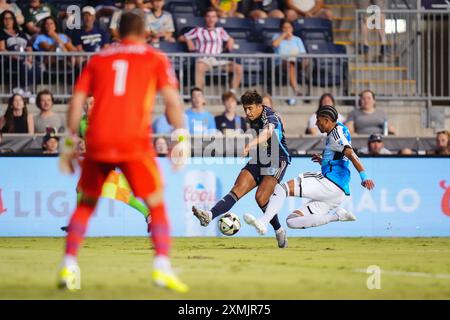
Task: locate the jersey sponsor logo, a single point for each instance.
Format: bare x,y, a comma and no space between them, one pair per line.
445,202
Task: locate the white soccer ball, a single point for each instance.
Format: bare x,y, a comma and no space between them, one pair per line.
229,224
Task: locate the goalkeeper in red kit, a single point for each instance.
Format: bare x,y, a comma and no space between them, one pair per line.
124,80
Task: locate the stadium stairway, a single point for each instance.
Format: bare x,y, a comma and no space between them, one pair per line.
389,77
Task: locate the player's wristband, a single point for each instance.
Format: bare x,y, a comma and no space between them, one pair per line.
363,176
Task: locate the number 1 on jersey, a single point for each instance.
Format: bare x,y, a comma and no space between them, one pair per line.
120,81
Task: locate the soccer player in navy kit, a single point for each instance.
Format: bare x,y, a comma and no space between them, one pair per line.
326,189
265,169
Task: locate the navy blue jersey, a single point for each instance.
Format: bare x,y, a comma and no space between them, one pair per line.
268,116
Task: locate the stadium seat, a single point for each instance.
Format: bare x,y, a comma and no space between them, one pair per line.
237,28
267,38
261,26
184,23
170,47
181,6
314,29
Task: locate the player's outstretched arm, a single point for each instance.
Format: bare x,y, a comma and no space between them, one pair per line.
262,137
68,156
75,111
174,109
365,181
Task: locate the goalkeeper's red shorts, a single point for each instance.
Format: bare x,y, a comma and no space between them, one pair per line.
143,176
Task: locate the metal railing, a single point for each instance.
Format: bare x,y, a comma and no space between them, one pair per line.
416,66
416,58
267,72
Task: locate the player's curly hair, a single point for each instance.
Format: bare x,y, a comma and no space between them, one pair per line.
251,97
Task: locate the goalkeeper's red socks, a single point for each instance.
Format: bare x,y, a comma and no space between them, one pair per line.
77,228
160,233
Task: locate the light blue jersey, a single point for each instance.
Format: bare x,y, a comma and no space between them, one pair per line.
334,163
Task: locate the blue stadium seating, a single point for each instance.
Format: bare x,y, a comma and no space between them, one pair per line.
263,26
181,6
184,23
171,47
237,28
314,29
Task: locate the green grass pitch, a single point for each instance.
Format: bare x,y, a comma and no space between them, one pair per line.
233,268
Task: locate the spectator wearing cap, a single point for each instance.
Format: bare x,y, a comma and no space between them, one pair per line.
89,38
35,13
367,119
160,23
375,146
46,117
325,99
209,41
442,143
229,122
50,143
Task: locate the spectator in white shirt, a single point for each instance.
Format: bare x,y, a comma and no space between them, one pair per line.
209,41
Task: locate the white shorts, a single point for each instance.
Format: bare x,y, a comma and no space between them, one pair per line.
214,62
324,194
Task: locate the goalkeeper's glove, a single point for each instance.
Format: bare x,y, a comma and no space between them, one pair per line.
68,157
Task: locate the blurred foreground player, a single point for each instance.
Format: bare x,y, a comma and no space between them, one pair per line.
264,170
116,186
326,189
123,80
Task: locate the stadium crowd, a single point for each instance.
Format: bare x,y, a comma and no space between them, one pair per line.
42,26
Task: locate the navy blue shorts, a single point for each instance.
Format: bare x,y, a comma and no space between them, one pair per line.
259,171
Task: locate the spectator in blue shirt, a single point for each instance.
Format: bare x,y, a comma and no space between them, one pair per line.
89,38
162,126
50,40
288,44
200,121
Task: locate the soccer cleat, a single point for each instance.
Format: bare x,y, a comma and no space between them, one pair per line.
169,281
281,238
69,278
65,228
345,215
259,226
203,216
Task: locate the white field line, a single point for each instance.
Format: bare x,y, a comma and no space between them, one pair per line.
410,274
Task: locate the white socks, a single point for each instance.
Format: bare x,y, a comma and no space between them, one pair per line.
162,263
70,261
275,204
310,220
